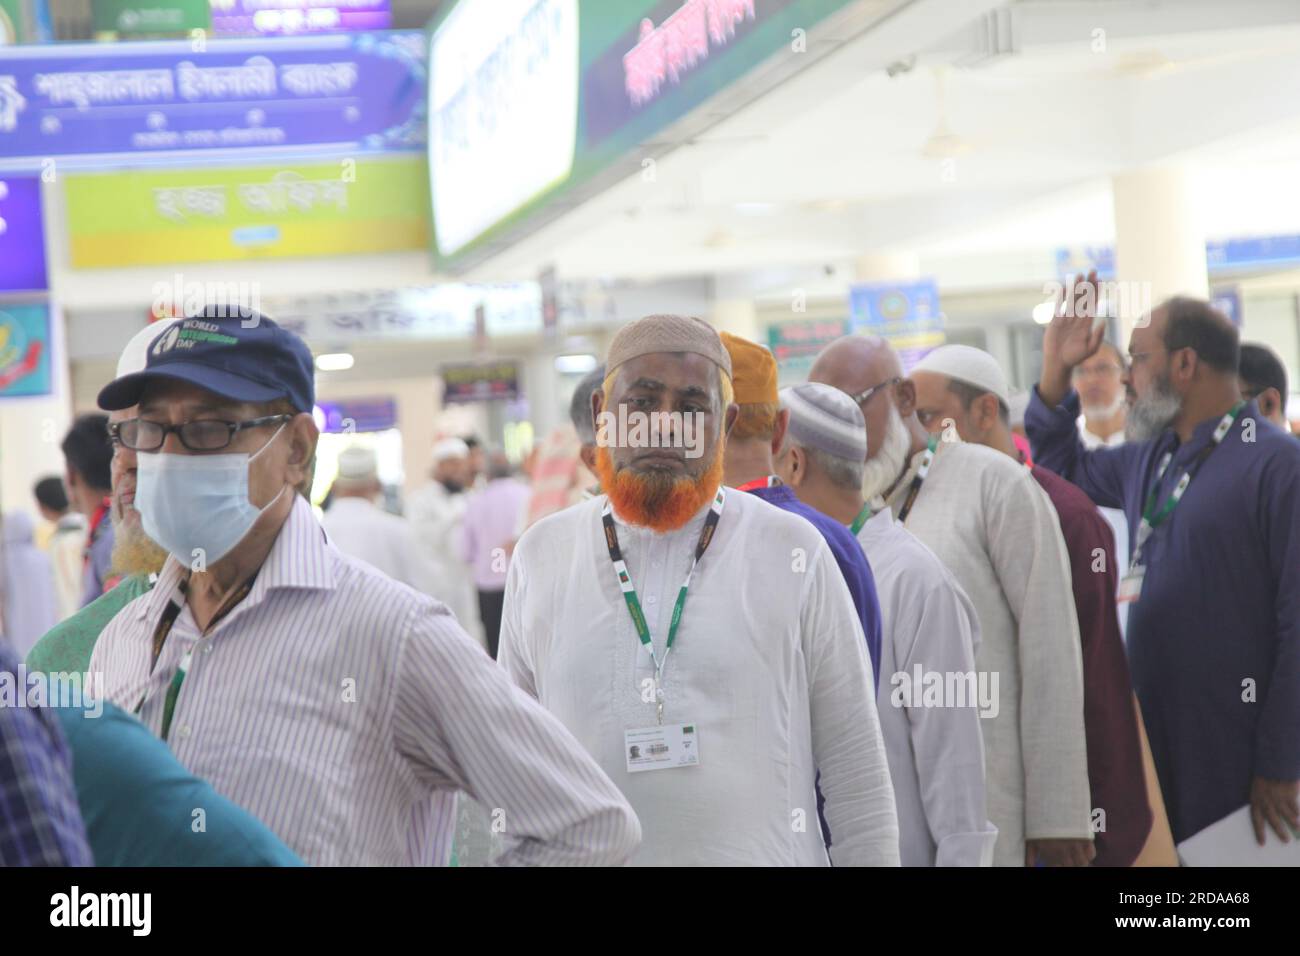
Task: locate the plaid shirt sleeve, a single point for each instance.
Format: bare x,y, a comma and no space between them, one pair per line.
40,822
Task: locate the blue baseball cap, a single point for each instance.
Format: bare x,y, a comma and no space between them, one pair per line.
244,357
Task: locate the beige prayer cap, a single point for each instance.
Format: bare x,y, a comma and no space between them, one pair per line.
667,333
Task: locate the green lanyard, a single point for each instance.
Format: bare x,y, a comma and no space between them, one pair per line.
634,604
173,610
863,516
1153,517
930,447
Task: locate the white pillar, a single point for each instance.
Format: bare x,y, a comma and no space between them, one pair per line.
1159,239
739,317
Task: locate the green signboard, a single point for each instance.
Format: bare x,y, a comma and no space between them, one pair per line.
141,18
526,107
795,344
13,22
339,208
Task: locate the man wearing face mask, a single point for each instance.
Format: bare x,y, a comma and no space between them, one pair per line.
1211,490
340,707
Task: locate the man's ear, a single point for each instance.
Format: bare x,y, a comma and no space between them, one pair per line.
303,436
597,406
798,467
1270,403
778,433
905,397
1183,365
988,412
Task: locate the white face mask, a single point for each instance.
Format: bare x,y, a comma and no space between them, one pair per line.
196,506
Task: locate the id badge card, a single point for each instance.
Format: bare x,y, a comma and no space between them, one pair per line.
661,747
1130,586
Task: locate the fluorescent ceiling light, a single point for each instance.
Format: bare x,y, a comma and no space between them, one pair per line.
575,364
335,361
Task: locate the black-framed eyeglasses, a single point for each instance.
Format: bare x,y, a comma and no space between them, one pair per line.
207,434
865,395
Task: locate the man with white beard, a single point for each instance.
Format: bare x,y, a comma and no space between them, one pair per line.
1100,384
993,527
1211,490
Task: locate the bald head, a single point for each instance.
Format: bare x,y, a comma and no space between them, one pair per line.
856,363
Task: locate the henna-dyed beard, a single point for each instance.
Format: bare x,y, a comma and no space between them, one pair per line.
657,500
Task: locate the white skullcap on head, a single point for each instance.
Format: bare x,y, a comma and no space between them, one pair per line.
133,357
357,463
969,365
450,448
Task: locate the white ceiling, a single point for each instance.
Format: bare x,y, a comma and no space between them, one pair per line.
832,165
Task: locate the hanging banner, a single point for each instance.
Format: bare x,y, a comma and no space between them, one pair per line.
906,314
283,17
25,350
22,236
445,311
346,207
125,102
576,86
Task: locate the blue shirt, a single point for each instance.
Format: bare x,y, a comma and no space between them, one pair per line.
143,808
1214,639
40,824
848,555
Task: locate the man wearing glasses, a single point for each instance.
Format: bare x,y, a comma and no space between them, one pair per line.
340,707
1211,491
1099,382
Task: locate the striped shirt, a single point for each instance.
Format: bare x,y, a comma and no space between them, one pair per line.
345,710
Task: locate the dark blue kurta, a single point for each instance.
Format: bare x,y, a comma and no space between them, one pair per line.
1214,639
848,555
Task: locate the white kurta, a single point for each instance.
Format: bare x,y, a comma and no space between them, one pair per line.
770,663
357,528
989,522
936,754
437,516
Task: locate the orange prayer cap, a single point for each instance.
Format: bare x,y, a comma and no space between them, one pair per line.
753,371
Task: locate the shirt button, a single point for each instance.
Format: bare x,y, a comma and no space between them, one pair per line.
185,732
651,599
207,648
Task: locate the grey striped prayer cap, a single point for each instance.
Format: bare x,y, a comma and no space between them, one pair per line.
826,419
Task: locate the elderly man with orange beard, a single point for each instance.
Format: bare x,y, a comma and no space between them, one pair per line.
715,714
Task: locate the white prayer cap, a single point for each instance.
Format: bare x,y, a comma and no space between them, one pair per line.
969,365
134,356
450,448
358,464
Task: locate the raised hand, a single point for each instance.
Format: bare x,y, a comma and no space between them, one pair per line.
1072,336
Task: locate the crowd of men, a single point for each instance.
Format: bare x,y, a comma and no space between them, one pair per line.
860,620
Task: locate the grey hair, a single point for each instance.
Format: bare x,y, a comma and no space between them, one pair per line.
841,472
580,405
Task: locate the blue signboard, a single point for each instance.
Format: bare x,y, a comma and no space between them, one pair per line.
1252,253
906,314
133,101
1080,260
358,415
1227,299
22,235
